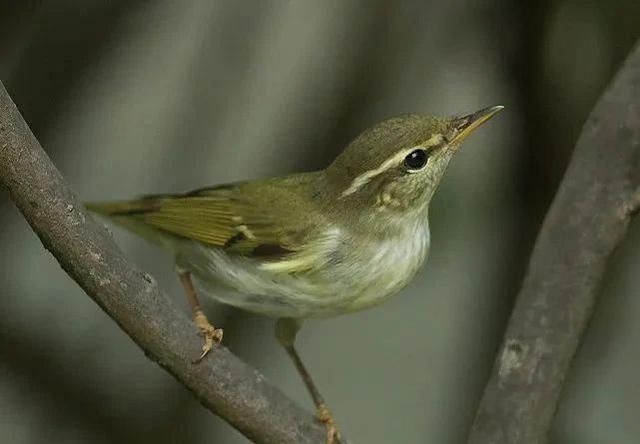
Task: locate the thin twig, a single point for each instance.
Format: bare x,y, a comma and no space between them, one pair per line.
84,249
586,222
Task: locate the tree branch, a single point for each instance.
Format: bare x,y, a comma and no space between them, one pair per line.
586,222
224,384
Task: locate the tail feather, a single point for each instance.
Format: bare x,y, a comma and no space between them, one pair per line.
123,207
127,214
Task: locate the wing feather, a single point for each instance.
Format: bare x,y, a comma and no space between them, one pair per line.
270,220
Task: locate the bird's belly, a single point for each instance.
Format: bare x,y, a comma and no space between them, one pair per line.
336,288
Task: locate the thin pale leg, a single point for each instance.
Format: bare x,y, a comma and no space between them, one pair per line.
210,334
286,330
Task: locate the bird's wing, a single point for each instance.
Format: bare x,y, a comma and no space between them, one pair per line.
271,221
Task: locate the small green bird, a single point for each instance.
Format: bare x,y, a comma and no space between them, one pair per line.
312,244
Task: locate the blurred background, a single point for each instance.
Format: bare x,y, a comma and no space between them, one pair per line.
136,97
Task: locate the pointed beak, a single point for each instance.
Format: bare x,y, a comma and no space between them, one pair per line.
465,125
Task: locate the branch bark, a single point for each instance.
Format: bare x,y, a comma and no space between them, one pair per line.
587,220
224,384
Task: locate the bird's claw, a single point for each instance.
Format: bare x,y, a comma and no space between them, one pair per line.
323,414
210,334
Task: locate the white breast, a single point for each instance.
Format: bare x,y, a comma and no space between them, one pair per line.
392,264
379,271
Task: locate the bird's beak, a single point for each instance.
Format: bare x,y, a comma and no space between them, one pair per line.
465,125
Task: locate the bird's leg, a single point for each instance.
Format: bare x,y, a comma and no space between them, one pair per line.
286,330
210,334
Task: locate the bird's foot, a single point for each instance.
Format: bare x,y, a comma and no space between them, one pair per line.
210,334
323,414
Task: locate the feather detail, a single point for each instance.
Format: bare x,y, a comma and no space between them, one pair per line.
266,220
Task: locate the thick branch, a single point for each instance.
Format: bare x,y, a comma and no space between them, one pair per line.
586,222
223,383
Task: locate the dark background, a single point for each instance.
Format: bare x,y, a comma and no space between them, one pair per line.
136,97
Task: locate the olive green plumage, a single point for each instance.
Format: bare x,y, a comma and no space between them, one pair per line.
238,218
311,244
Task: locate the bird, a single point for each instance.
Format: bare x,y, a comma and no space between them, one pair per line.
312,244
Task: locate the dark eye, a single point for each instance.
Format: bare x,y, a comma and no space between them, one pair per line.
416,159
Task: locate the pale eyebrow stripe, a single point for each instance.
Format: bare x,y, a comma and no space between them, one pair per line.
366,177
434,140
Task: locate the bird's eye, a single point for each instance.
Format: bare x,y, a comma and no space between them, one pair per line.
416,160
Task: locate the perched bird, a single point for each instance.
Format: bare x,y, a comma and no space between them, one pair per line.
313,244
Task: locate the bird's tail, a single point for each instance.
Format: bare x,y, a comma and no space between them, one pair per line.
121,208
129,214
